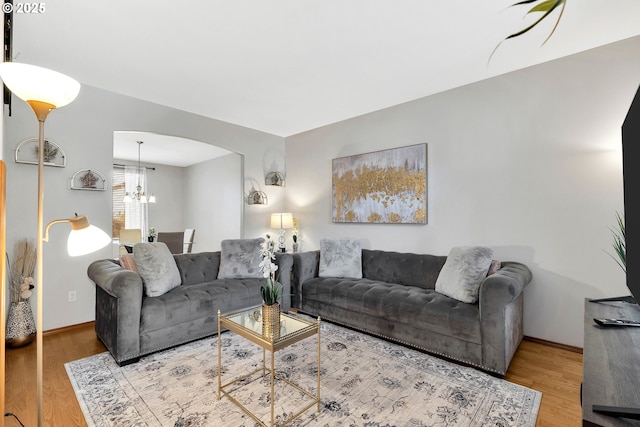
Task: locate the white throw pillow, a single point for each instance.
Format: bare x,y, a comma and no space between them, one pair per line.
463,272
240,258
157,267
340,258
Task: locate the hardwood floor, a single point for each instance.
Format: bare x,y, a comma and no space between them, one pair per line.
555,372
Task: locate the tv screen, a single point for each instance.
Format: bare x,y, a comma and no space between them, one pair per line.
630,167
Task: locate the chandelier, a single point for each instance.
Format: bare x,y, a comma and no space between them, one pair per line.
139,195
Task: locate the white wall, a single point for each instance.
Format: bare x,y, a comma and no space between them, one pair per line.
215,201
84,129
528,163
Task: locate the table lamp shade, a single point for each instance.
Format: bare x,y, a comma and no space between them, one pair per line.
282,220
33,83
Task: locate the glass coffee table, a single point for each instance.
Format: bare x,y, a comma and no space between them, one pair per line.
248,324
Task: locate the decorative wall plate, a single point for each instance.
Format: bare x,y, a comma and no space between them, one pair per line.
27,152
88,179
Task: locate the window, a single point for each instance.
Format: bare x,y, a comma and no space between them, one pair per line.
118,188
131,214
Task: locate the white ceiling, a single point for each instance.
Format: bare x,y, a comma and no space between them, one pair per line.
163,149
287,66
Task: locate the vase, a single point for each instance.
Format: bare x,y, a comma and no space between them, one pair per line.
271,320
295,247
21,328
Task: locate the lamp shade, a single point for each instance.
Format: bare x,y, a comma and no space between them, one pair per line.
85,238
33,83
281,220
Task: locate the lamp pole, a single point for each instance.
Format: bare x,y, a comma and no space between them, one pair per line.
42,110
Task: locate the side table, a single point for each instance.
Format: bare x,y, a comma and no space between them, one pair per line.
248,324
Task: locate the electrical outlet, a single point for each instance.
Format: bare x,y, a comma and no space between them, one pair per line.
72,296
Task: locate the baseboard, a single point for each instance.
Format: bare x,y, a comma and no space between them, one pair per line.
294,310
554,344
68,328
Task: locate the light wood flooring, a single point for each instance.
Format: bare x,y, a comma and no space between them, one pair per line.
555,372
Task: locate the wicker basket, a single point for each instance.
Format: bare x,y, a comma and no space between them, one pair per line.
271,321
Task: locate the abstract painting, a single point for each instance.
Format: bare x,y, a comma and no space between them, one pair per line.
383,187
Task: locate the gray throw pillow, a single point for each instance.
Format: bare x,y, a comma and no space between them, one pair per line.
340,258
240,258
463,272
157,267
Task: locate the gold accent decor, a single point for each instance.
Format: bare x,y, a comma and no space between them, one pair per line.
383,187
271,320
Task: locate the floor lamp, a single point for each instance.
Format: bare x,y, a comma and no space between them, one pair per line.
45,90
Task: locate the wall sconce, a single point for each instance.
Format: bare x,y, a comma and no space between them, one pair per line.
275,178
281,221
257,197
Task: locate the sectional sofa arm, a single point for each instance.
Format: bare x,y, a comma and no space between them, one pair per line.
305,267
501,303
504,286
119,302
115,280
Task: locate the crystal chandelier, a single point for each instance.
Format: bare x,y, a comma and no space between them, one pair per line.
139,195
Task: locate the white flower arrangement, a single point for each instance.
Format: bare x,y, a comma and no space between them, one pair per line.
271,291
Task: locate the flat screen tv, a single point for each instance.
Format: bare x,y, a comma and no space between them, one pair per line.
631,178
630,168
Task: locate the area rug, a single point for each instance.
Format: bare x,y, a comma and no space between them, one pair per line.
365,381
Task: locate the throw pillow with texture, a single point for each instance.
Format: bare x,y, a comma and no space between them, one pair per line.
463,272
157,267
240,258
127,261
340,258
495,266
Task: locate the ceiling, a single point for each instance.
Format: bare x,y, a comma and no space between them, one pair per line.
288,66
163,149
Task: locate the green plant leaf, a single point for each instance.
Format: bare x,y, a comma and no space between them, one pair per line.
619,243
547,7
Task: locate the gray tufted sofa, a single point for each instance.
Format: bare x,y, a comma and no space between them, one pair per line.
131,324
396,299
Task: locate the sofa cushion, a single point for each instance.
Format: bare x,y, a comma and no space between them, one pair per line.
421,308
340,258
463,272
402,268
493,267
127,261
240,258
157,268
199,301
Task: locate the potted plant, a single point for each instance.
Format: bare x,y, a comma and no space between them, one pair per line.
270,291
152,234
619,243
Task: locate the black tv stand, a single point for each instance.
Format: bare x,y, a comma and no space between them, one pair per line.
626,298
618,411
611,366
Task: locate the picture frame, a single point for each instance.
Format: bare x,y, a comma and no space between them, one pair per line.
381,187
27,152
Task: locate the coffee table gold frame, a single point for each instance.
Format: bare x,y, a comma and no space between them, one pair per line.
248,324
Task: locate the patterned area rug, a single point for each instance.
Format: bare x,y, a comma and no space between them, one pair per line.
365,382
